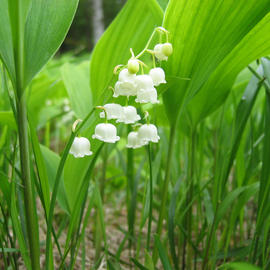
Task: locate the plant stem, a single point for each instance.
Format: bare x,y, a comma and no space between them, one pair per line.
188,217
98,230
147,45
165,187
209,242
31,221
19,90
130,188
104,169
150,197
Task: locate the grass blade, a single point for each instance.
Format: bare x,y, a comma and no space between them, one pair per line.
162,254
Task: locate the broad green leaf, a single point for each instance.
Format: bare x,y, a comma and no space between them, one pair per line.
206,36
76,80
7,118
131,29
80,198
74,171
42,89
6,44
216,89
33,31
46,27
163,3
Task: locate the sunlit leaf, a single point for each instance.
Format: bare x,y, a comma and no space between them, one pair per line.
76,80
46,26
207,36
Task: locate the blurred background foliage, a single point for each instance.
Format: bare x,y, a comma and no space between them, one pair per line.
80,37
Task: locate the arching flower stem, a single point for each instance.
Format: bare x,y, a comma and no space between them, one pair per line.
75,124
146,117
105,112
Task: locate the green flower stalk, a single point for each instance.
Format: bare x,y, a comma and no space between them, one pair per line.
29,199
19,89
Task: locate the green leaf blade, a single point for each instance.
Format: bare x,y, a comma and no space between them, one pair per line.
46,27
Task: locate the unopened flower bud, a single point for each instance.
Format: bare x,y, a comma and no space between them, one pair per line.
133,66
167,49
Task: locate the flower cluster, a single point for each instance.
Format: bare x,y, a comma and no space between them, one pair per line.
131,84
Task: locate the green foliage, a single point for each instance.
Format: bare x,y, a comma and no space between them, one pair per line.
52,162
32,34
239,266
6,48
212,42
163,3
162,254
200,198
6,118
77,84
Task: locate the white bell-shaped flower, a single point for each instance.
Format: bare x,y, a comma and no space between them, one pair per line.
148,95
126,76
106,132
124,89
148,133
133,140
129,115
157,75
144,82
80,147
126,84
113,111
159,54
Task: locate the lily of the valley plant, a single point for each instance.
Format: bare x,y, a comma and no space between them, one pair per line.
132,82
